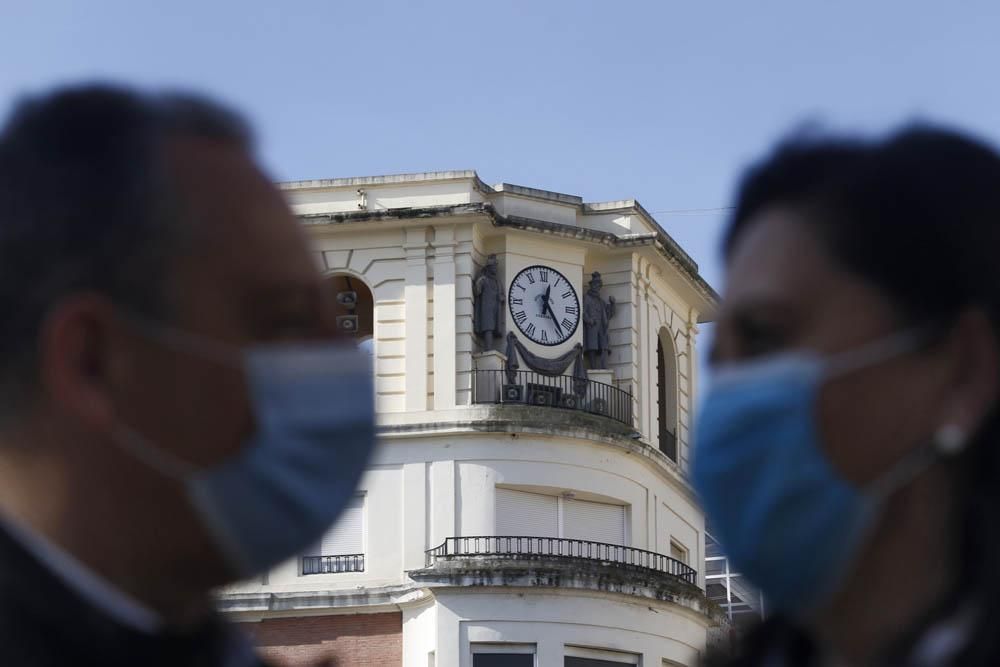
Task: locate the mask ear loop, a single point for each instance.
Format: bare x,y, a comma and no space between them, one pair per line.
161,460
948,441
876,352
137,445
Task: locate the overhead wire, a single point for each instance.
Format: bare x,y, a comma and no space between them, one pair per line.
692,211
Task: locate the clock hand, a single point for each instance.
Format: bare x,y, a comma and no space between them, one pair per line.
548,309
555,322
553,316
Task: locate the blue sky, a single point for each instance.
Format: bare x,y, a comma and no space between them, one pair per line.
663,101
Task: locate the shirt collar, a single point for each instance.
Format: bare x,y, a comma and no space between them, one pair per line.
86,583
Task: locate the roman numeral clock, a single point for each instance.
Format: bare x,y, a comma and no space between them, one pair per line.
544,305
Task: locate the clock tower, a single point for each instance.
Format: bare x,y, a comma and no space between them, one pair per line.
529,501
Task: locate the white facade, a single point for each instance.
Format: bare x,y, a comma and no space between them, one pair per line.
448,467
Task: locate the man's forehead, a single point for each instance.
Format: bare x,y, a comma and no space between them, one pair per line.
242,226
216,175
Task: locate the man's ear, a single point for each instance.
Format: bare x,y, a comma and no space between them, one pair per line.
76,359
974,377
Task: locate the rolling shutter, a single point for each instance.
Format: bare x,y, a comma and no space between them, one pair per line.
598,522
346,537
523,513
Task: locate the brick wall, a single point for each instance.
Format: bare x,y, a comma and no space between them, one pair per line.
361,640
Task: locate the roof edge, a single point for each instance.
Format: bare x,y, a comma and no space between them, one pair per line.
658,239
413,177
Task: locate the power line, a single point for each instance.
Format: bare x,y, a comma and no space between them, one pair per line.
693,211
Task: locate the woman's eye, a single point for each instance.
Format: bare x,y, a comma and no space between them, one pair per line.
760,338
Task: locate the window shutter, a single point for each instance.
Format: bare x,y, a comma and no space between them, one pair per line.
346,537
523,513
597,522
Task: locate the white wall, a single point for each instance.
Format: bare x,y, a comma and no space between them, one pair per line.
421,492
383,487
553,620
420,634
526,207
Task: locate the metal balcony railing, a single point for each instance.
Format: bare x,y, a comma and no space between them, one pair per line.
333,564
559,391
504,546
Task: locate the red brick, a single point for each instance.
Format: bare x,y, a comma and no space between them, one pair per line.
356,640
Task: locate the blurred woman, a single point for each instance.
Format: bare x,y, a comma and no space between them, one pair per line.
848,449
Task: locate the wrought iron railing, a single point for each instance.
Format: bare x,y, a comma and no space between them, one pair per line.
559,391
505,546
333,564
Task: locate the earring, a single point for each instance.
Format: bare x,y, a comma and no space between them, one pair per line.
950,439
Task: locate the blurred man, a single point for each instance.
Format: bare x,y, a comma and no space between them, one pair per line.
174,414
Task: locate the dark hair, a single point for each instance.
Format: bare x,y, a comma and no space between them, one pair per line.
85,204
917,215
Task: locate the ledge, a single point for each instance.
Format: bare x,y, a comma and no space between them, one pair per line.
229,601
472,572
659,240
517,420
415,177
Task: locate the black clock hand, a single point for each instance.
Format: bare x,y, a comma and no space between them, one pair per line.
546,307
555,321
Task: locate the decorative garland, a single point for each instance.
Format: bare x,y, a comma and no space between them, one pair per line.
551,367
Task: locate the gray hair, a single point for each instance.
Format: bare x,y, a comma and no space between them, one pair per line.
85,205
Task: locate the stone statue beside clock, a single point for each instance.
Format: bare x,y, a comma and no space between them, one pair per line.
596,316
489,298
545,309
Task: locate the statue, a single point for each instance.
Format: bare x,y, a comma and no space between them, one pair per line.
489,299
596,316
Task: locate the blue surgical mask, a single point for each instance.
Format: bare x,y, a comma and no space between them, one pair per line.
785,518
313,405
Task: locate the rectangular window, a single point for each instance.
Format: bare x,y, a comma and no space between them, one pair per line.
522,513
678,552
596,522
342,549
503,655
538,515
577,656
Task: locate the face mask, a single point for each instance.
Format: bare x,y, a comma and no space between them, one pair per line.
313,404
784,517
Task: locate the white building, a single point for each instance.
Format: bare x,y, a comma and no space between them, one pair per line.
487,532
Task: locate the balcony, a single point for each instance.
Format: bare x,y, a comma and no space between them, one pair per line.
570,551
333,564
559,391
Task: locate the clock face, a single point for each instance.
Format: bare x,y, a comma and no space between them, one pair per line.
544,305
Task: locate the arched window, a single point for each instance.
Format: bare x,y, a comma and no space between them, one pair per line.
666,394
355,306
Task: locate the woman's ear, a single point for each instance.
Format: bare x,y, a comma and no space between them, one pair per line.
974,373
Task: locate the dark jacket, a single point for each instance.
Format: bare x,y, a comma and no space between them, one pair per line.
44,623
971,643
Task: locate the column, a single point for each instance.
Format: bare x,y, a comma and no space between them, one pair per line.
638,346
444,318
442,502
415,295
414,515
648,371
